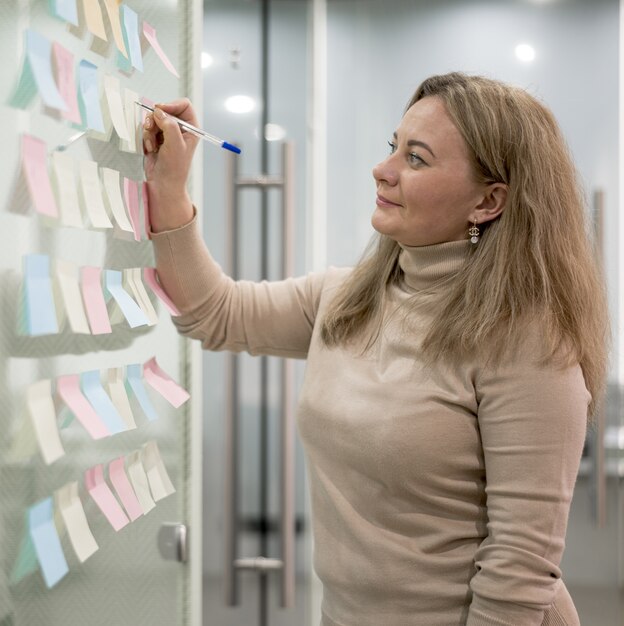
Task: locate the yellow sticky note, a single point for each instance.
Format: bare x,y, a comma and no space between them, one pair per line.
94,19
112,9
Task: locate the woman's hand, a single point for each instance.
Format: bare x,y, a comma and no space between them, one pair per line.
168,155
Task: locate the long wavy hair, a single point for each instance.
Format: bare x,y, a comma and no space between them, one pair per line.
535,262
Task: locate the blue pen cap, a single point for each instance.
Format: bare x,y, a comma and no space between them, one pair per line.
229,146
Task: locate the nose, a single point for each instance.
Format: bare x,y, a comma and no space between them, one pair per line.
386,172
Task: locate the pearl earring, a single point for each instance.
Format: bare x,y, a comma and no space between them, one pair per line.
473,231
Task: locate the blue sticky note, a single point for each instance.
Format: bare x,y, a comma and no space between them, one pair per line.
26,561
134,379
39,54
131,310
130,28
89,96
46,541
38,300
66,10
92,388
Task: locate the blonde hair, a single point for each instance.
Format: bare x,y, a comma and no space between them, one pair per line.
534,262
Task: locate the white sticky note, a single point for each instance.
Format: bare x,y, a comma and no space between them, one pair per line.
112,188
91,195
43,418
133,283
73,516
117,392
140,482
133,123
69,287
66,190
160,484
115,106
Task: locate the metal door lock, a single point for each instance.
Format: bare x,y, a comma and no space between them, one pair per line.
173,542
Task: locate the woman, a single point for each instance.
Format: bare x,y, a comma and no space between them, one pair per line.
450,374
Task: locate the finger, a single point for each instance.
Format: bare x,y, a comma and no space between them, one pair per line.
171,133
149,137
181,108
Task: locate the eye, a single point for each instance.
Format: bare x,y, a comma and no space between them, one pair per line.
392,147
415,159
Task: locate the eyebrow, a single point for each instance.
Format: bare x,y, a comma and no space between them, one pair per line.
415,142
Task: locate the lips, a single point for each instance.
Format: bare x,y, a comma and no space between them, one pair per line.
382,201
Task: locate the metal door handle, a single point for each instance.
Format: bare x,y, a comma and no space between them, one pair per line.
287,492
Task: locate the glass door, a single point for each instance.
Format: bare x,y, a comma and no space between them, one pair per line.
99,491
255,91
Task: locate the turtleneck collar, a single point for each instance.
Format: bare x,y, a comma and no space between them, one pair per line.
426,266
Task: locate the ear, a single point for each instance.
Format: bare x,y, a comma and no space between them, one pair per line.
492,203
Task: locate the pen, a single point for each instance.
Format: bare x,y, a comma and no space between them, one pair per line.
198,132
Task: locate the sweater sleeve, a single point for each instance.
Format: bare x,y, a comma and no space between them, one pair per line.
532,421
275,318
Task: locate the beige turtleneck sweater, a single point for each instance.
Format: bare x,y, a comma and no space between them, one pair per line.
439,496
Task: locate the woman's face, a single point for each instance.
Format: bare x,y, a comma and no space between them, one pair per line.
426,192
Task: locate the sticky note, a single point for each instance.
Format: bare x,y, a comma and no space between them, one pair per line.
139,480
134,380
134,284
43,419
35,166
70,507
91,195
94,19
123,488
66,189
69,286
39,304
116,111
46,541
159,380
110,178
26,562
92,388
130,29
39,55
89,97
131,195
65,9
151,278
150,34
159,481
133,123
102,495
113,11
130,309
117,392
68,388
65,76
93,299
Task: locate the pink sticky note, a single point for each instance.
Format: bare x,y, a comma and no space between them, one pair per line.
104,498
93,298
131,195
35,164
146,214
164,384
150,34
64,61
68,388
151,278
119,478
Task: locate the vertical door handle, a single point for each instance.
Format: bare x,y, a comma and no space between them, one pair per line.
288,382
230,516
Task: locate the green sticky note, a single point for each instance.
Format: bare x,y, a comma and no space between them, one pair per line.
26,562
